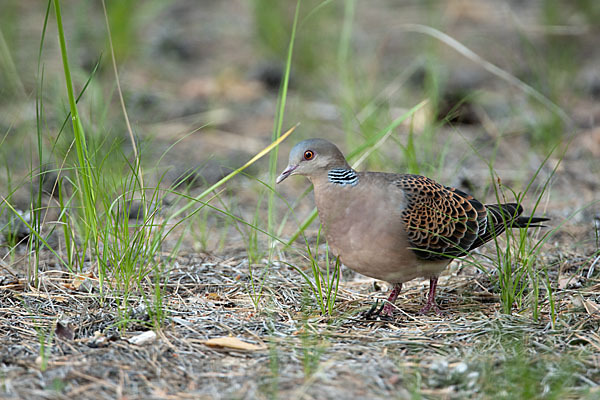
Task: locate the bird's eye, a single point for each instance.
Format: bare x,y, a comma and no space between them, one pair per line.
309,155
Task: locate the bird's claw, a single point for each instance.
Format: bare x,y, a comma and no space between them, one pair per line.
375,312
429,306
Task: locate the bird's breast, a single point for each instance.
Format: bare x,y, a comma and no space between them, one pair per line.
364,228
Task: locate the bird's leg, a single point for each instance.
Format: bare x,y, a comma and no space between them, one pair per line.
431,304
388,308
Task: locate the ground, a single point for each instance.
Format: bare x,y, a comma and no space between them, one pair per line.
200,81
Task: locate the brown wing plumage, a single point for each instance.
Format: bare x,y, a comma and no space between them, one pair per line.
444,222
440,222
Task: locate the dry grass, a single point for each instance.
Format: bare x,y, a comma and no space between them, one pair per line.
299,353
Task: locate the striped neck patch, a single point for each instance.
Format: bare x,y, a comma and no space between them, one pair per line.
341,176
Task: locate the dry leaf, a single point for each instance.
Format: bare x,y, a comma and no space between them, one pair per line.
81,282
592,308
213,296
64,331
577,301
98,340
77,281
569,281
232,343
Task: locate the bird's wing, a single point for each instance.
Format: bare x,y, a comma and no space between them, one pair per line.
440,222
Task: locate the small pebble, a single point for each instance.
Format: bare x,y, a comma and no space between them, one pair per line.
143,338
439,366
461,368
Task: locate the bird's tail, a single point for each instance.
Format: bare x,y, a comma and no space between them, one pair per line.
510,213
502,216
529,222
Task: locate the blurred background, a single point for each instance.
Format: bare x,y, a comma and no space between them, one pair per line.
509,95
200,81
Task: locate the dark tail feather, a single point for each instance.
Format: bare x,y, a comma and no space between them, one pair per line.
511,213
528,222
501,216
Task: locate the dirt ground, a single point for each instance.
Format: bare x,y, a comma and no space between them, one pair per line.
201,64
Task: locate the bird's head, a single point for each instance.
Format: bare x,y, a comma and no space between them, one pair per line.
313,157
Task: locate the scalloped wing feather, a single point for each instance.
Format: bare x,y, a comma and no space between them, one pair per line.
440,222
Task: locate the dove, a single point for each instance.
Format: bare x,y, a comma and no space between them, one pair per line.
396,227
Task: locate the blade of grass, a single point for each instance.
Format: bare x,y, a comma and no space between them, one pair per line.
87,188
258,156
9,67
488,66
279,122
32,230
136,155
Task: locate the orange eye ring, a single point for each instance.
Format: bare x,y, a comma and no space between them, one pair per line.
309,155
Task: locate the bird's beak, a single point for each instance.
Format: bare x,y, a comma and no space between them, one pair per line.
286,172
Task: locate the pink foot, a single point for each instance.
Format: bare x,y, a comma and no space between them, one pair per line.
431,303
430,306
388,310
